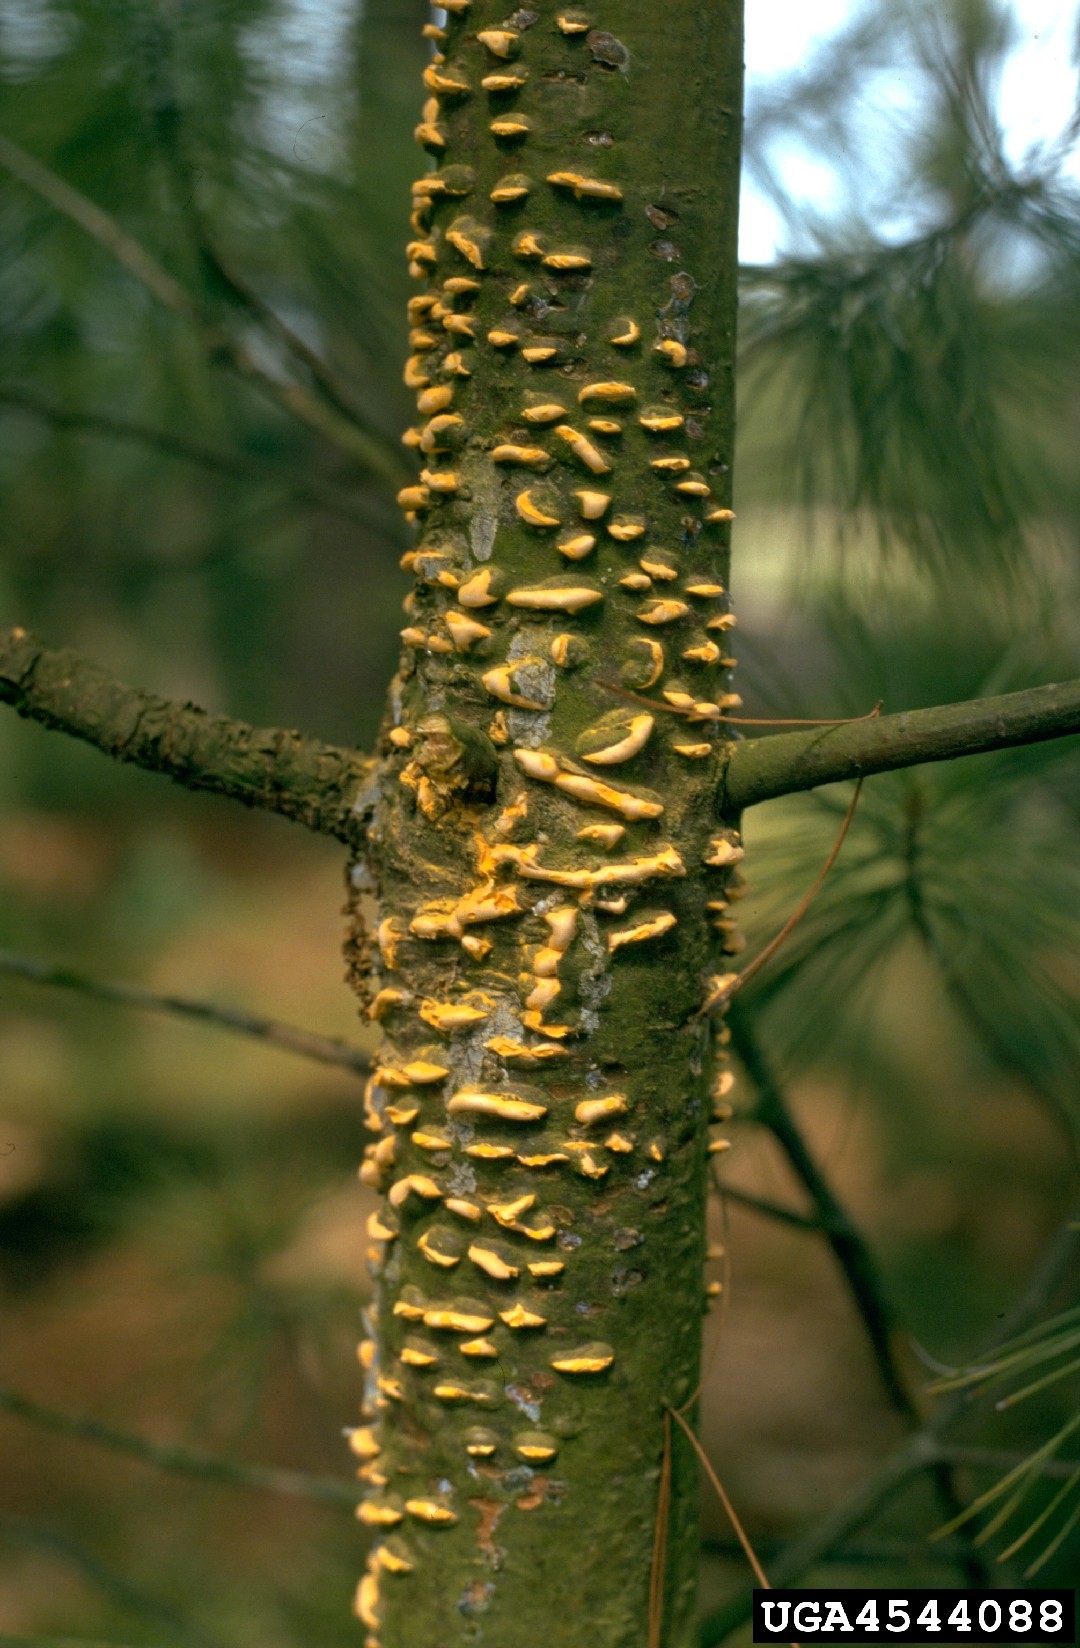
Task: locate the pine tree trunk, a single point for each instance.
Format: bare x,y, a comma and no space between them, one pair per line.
550,870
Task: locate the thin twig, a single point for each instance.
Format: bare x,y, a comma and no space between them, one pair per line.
852,1254
325,496
231,1473
373,455
729,1509
290,1038
813,1224
108,1581
923,1449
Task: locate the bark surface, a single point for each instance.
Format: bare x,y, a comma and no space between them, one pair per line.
552,882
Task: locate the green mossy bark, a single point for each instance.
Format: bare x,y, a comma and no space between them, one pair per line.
490,897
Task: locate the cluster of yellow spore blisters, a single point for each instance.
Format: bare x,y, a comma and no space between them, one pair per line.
564,450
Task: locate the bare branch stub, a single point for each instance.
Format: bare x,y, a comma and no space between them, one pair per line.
314,784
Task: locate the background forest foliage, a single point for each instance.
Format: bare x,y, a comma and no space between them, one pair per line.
180,1248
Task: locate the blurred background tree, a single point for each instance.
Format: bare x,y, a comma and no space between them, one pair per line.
201,498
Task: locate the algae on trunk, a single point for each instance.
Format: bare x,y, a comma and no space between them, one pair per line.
552,882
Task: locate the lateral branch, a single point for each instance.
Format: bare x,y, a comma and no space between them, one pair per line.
308,1044
280,771
761,769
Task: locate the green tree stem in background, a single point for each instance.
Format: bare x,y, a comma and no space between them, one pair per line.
368,450
290,1038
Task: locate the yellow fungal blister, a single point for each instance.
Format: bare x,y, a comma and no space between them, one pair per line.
477,591
506,1212
542,411
542,1158
481,1443
592,505
722,851
465,631
627,332
464,1208
458,1318
504,1047
493,1262
510,79
545,1269
608,391
654,927
450,1016
440,1247
555,597
658,420
586,188
693,752
583,449
363,1443
531,457
717,517
534,513
380,1513
567,262
415,1353
592,1358
394,1558
428,1138
434,399
519,1317
535,1447
500,42
635,582
515,186
471,239
435,1511
510,126
479,1348
414,1184
591,1111
707,653
626,528
366,1603
497,1106
672,352
576,545
633,740
499,682
483,1151
662,612
604,835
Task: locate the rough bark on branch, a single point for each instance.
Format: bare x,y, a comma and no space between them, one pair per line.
764,768
312,783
